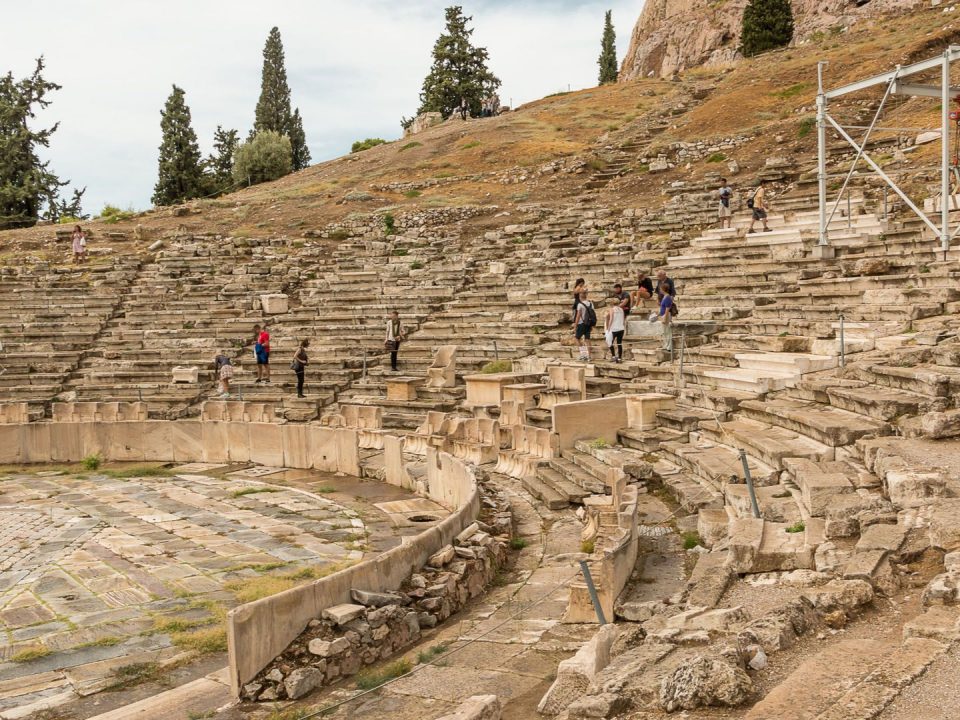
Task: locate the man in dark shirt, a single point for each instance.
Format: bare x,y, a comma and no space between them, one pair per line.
661,279
623,298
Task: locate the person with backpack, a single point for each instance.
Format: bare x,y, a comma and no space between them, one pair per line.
299,365
758,204
583,322
666,314
261,351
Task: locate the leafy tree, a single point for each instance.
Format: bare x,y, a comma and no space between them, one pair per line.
64,211
459,79
180,174
767,25
608,52
220,162
266,156
273,108
26,183
298,142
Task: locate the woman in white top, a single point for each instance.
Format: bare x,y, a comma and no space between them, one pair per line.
614,325
395,336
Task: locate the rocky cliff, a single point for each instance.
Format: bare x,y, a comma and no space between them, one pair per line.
673,35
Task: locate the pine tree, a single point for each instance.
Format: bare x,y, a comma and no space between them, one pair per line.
298,142
767,25
459,79
608,52
220,162
68,211
273,107
180,174
26,183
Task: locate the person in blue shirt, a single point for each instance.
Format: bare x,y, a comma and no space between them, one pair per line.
666,315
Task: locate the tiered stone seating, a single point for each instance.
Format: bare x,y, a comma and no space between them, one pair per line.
99,411
237,411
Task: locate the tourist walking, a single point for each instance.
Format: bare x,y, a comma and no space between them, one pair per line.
299,365
758,203
79,239
583,322
395,336
614,325
223,371
261,350
666,315
725,212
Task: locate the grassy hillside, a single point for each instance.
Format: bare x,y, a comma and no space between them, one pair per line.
502,161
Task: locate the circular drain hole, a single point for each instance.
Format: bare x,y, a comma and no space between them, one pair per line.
422,518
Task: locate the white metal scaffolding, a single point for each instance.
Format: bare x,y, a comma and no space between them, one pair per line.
896,82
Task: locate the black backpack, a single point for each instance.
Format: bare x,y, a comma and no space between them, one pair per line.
591,315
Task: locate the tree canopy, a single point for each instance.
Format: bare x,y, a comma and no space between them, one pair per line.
609,71
767,25
180,175
273,108
459,79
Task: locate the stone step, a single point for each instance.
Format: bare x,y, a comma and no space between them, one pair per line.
765,441
716,463
690,492
573,492
648,440
822,423
577,475
545,493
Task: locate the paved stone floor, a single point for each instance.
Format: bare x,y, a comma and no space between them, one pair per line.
99,570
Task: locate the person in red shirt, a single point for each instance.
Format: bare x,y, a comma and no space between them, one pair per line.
261,349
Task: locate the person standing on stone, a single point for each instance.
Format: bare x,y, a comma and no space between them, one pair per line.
758,203
261,349
623,298
661,280
79,239
725,212
223,371
395,336
614,325
579,285
299,365
666,315
583,322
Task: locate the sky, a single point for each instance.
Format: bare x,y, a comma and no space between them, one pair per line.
354,68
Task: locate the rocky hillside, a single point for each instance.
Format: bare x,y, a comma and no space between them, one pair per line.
674,35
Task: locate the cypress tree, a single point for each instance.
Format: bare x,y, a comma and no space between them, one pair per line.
273,107
298,142
26,183
767,25
608,52
180,174
220,162
459,79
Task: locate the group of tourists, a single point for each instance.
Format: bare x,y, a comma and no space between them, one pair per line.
223,366
757,203
619,304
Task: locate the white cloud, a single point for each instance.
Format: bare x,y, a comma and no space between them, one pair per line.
354,69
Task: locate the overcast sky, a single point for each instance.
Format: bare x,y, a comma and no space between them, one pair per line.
355,67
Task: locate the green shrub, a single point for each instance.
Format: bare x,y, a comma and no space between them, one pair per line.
497,366
767,25
797,527
361,145
111,214
29,654
691,540
806,126
587,546
389,224
401,252
425,656
469,145
339,234
267,156
416,265
410,145
92,462
518,543
412,194
599,444
716,157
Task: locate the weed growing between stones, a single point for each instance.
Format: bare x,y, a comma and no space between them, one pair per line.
691,540
497,366
587,546
370,679
425,656
518,543
253,491
30,654
797,527
92,462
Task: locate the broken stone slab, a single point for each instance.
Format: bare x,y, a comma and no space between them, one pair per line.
303,681
442,556
938,425
715,619
847,595
914,488
342,614
945,525
704,682
328,648
468,533
939,622
275,304
575,674
374,599
874,567
478,707
882,537
944,589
